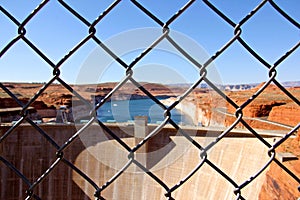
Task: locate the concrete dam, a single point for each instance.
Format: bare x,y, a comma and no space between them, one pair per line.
168,155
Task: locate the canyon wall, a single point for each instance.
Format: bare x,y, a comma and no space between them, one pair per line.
278,184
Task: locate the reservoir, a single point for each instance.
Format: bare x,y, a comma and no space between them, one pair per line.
126,110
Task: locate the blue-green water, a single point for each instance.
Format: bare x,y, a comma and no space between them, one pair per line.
126,110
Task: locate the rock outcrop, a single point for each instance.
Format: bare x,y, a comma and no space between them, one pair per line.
279,185
286,114
11,103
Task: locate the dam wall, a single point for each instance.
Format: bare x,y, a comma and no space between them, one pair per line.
168,155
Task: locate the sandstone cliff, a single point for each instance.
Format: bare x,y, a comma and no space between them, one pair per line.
279,185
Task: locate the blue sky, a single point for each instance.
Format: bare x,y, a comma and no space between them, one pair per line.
55,31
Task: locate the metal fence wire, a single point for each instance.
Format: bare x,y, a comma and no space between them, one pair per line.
60,150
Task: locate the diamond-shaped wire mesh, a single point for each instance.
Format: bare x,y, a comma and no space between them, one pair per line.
53,154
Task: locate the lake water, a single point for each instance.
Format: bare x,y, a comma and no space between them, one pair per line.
126,110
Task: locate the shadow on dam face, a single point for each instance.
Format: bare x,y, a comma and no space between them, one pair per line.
168,156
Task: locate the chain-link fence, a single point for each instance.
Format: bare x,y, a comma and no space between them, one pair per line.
28,186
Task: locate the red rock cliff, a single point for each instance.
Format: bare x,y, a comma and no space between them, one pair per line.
279,185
